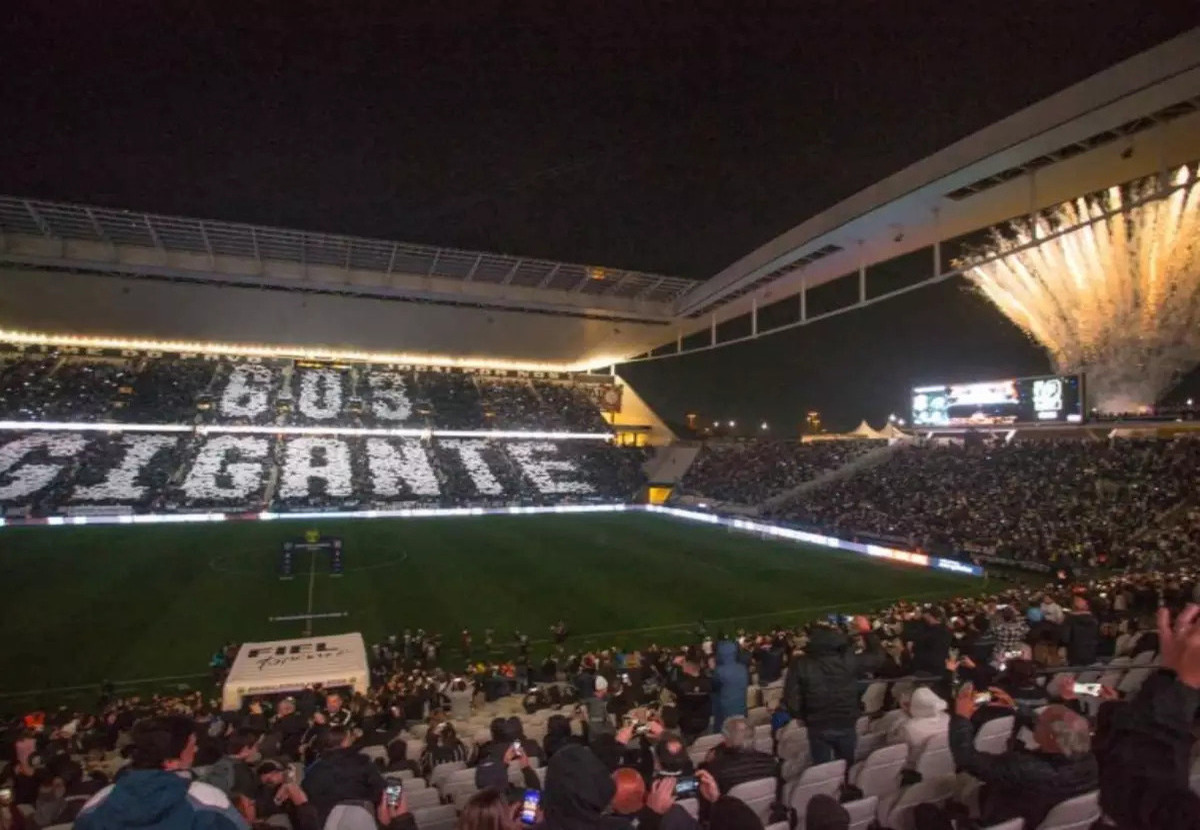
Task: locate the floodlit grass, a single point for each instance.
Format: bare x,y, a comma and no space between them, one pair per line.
86,604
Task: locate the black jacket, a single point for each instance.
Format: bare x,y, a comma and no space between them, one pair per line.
1145,756
693,701
822,684
1020,783
578,791
731,767
342,775
1081,634
930,648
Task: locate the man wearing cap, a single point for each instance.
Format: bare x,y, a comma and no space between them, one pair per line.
1026,784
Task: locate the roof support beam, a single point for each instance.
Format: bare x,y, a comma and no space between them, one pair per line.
649,289
42,224
153,233
392,258
512,272
433,265
545,281
471,274
212,260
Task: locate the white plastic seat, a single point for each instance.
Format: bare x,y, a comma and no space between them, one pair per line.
436,818
759,717
868,743
418,799
822,778
1011,824
862,812
1078,813
404,775
762,730
779,825
897,812
279,820
341,814
757,795
935,759
1133,680
413,748
375,752
450,792
993,736
442,772
704,743
872,698
880,773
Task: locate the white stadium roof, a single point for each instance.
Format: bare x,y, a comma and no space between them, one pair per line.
1135,119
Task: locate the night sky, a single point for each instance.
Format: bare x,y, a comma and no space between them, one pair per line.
640,135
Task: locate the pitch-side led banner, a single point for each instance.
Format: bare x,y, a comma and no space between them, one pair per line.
767,529
763,528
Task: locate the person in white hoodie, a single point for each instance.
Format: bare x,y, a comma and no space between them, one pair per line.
926,717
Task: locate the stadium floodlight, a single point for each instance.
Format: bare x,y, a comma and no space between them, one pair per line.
764,427
1109,285
732,424
1189,401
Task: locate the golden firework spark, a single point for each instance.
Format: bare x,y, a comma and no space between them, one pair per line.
1117,296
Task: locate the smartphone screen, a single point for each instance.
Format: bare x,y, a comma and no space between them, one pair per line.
393,794
1087,689
982,698
686,786
516,748
529,806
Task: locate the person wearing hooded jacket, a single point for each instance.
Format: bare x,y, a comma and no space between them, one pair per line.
926,717
577,792
822,688
156,792
730,679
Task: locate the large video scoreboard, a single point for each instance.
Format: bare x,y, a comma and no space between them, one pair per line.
1037,400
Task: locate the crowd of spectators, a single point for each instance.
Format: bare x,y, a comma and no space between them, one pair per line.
1080,502
158,389
750,472
76,473
731,729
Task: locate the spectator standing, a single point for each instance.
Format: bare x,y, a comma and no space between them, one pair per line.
1081,633
822,689
155,793
341,773
730,681
693,698
930,643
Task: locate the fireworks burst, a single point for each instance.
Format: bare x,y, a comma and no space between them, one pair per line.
1116,297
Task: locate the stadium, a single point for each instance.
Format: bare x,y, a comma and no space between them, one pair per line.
220,440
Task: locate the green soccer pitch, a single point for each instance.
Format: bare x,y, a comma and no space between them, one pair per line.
86,604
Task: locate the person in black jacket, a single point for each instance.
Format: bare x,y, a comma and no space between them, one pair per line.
1145,753
1081,634
930,643
822,688
341,773
1022,784
288,728
693,698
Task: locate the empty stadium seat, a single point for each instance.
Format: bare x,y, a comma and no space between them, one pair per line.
418,799
1078,813
758,717
342,815
862,812
375,752
896,811
880,773
436,818
758,795
822,778
442,772
935,759
872,699
993,736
